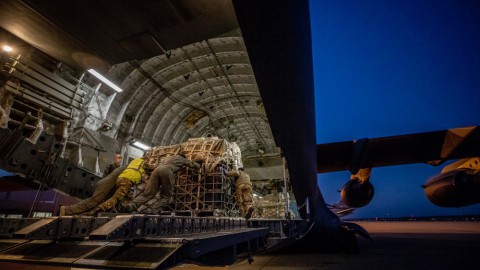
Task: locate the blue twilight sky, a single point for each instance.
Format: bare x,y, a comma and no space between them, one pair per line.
384,68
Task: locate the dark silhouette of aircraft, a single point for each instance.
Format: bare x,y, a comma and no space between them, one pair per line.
455,186
289,36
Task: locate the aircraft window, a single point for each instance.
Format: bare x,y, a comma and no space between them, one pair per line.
42,138
33,152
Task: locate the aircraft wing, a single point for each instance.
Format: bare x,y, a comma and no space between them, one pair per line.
341,209
343,212
428,147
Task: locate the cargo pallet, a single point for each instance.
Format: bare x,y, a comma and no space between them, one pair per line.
207,192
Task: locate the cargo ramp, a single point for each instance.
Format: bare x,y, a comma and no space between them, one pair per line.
130,241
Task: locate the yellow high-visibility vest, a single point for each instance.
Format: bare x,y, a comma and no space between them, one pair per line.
134,171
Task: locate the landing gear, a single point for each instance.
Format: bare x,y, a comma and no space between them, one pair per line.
349,241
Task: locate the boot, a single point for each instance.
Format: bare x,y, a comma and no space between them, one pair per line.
249,213
126,208
94,212
63,208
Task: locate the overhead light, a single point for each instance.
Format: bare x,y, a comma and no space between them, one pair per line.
141,145
105,80
7,48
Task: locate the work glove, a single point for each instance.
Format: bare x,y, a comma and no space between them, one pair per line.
196,166
233,173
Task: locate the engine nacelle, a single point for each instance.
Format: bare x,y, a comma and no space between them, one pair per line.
454,189
357,194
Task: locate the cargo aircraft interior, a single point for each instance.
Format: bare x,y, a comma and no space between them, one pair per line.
231,81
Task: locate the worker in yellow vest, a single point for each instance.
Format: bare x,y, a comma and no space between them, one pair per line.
130,176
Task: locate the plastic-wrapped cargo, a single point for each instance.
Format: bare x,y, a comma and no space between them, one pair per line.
271,206
206,192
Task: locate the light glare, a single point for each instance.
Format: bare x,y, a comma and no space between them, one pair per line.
105,80
141,145
7,48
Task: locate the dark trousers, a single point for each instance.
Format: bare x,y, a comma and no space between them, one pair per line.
162,178
122,186
102,189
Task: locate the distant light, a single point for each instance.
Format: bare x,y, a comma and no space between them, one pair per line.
7,48
4,173
141,145
105,80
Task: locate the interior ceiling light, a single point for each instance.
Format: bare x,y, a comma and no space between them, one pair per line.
141,145
105,80
7,48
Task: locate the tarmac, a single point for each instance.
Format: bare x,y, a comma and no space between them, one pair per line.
396,245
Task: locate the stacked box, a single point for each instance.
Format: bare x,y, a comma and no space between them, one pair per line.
270,206
207,191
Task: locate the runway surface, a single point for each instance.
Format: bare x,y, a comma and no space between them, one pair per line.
395,245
